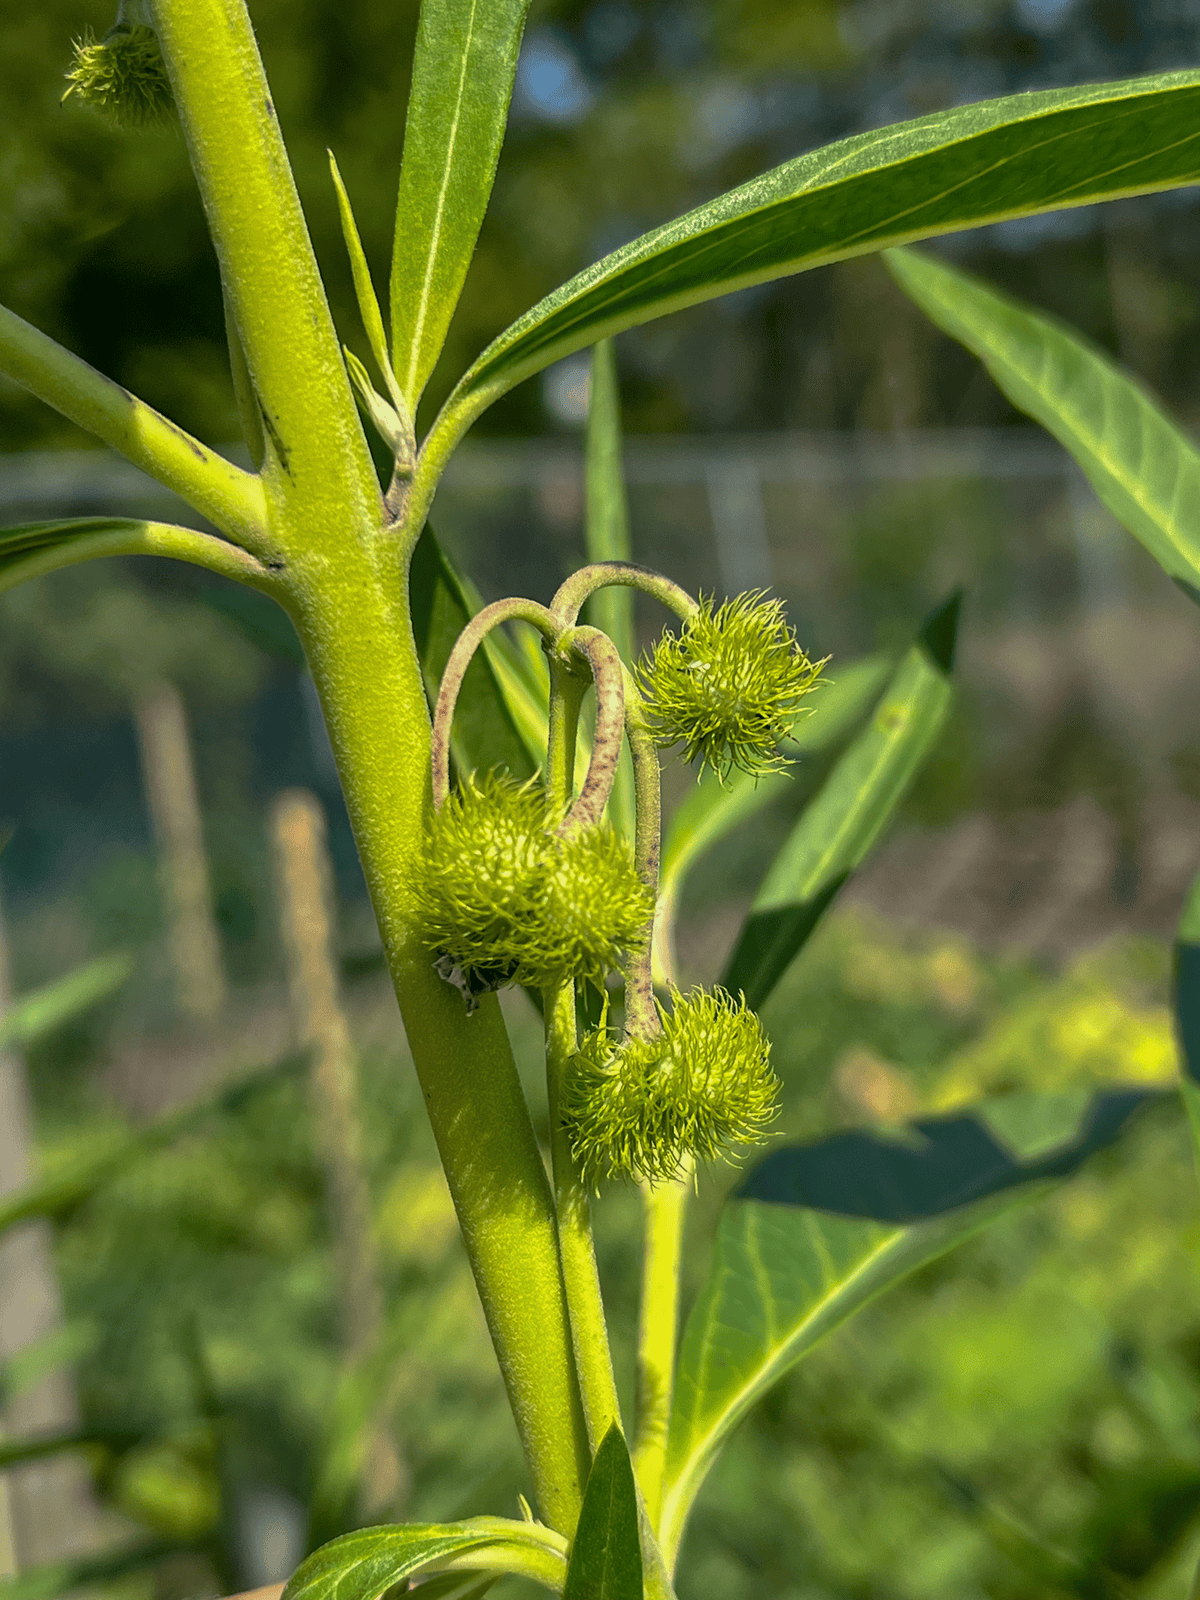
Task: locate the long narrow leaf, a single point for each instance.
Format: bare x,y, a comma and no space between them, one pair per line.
1140,464
34,1015
855,804
607,534
954,169
463,71
825,1228
364,289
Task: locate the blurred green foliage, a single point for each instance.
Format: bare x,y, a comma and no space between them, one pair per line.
1021,1418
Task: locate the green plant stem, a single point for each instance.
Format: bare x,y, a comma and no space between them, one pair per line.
589,1330
323,495
608,736
360,648
664,1212
229,497
641,1014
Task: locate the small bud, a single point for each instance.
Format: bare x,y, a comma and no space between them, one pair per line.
122,77
504,899
729,686
638,1108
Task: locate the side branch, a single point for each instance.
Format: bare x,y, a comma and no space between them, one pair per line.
229,497
38,548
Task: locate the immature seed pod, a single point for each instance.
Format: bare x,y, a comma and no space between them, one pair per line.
504,899
122,76
728,686
639,1107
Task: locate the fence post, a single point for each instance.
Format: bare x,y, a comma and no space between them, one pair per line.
306,897
170,782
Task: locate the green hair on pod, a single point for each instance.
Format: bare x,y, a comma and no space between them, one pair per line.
729,685
122,76
505,899
638,1108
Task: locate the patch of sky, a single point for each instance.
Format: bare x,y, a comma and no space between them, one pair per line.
724,113
609,31
550,86
678,37
1044,16
1020,234
567,390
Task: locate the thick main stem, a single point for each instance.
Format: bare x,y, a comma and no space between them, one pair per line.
363,659
589,1330
664,1211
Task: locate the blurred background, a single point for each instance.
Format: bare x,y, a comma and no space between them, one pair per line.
197,1303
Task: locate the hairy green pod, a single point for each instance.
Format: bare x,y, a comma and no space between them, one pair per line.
505,899
122,76
638,1108
729,685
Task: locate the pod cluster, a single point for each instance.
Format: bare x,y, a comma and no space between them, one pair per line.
506,899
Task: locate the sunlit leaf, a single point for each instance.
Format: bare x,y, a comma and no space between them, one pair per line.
816,1232
363,1564
954,169
847,816
1138,461
463,71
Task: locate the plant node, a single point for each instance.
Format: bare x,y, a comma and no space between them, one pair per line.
505,899
637,1108
729,685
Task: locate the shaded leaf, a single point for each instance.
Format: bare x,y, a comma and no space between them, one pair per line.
606,1555
954,169
1138,461
854,805
485,733
463,71
786,1274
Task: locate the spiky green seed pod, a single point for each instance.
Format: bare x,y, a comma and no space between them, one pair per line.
639,1107
728,686
122,76
505,900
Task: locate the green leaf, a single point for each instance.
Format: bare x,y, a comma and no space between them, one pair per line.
854,805
1140,464
364,289
606,529
712,808
463,71
606,1555
363,1564
75,1181
382,416
954,169
785,1273
486,734
34,1015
